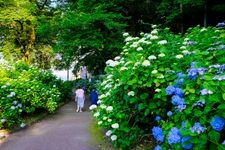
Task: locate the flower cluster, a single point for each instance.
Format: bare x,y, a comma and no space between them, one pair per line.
197,128
217,123
158,134
174,136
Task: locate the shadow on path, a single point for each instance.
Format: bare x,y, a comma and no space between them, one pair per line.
65,130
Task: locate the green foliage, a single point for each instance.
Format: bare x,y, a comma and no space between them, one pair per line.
136,90
89,32
25,90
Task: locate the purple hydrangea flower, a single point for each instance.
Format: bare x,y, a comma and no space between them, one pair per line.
200,103
217,123
177,100
170,90
204,92
158,134
169,113
174,136
197,128
185,142
158,147
201,70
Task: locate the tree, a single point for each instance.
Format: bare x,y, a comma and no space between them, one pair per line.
20,40
91,33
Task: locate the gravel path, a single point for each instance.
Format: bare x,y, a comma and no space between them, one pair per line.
65,130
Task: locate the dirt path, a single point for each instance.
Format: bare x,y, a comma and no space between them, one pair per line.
66,130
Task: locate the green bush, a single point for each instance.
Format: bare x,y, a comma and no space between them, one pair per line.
167,87
24,90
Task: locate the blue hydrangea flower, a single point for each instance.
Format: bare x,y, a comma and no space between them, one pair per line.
158,134
179,82
193,64
179,92
223,142
170,90
185,142
158,147
197,128
169,113
180,75
177,100
157,118
192,73
180,108
174,136
217,123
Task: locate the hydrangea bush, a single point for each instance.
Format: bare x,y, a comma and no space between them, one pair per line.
24,90
168,87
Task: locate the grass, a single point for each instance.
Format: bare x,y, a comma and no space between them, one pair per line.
98,137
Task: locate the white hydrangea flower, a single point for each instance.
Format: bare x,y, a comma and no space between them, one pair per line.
103,106
113,137
186,39
93,107
20,110
102,96
203,29
22,125
154,31
109,76
157,90
210,92
3,120
162,42
15,102
104,118
108,86
96,114
117,58
131,93
146,63
100,122
12,107
109,120
123,68
151,57
154,71
162,55
108,133
129,39
179,56
183,47
115,125
154,37
161,76
139,49
109,108
99,102
4,86
112,63
154,26
125,34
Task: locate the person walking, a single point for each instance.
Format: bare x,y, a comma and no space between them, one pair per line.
94,97
79,98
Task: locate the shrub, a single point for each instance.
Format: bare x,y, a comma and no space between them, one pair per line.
166,86
24,90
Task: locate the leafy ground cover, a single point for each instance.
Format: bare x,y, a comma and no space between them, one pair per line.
167,87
